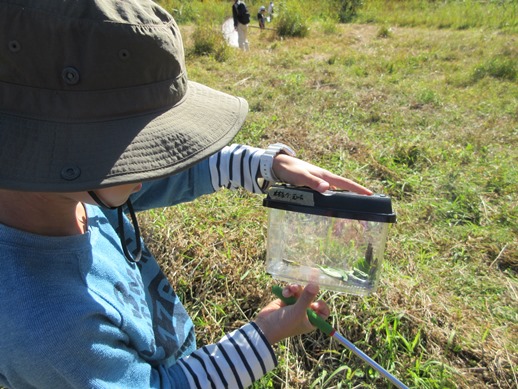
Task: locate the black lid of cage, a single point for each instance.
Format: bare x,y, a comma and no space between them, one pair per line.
341,204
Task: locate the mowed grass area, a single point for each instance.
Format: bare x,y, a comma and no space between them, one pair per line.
428,116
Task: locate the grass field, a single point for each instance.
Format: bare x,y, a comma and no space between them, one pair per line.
427,114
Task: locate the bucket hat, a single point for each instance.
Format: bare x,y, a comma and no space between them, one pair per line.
94,93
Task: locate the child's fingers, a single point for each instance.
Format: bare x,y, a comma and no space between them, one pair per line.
292,290
321,308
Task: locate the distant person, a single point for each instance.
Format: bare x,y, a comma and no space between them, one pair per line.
241,19
260,17
270,11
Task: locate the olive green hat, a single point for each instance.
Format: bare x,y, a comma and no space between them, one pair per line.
94,93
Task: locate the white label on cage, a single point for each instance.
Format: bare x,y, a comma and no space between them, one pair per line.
292,196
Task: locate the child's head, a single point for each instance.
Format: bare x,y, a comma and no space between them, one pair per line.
262,9
95,94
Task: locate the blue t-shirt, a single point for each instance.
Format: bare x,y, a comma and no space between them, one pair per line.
75,313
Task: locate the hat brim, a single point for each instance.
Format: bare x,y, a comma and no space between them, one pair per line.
49,156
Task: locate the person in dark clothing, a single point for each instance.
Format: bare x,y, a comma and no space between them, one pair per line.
260,17
241,19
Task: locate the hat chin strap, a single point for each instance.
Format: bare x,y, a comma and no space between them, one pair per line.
122,236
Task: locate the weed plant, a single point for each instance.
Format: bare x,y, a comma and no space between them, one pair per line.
418,101
205,42
291,22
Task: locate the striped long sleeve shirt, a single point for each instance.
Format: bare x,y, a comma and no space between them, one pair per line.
237,166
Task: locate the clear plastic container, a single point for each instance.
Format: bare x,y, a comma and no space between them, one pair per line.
336,239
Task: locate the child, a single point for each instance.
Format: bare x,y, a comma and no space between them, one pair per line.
98,118
260,16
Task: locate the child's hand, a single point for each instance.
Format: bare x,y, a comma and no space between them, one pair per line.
279,321
300,173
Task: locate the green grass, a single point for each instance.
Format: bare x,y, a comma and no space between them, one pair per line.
450,14
413,104
489,15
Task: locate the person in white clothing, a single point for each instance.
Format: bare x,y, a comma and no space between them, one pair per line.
270,11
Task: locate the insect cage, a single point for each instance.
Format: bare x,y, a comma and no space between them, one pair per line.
335,239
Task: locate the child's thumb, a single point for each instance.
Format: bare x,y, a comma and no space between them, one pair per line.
308,295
